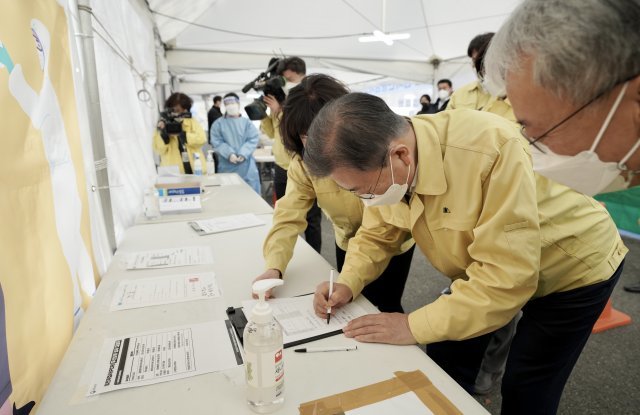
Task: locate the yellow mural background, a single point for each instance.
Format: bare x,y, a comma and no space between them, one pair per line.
34,275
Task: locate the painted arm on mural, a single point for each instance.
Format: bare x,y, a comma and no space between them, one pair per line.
5,58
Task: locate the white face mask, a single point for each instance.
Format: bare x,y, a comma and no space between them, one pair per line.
584,172
232,109
394,193
443,94
288,86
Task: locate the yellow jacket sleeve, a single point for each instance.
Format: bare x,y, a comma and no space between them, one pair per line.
271,127
506,257
289,218
370,251
195,134
158,144
267,125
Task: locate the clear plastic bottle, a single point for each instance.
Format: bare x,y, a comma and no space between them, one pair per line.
150,204
211,164
264,358
197,164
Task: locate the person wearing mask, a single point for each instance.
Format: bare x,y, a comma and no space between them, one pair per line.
214,113
571,70
235,139
293,69
461,183
344,209
425,102
474,95
178,136
445,89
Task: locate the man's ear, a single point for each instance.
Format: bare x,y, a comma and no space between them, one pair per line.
403,152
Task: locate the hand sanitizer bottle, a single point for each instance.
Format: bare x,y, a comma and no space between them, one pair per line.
150,203
197,164
264,359
211,164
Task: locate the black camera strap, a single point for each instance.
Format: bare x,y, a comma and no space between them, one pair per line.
182,145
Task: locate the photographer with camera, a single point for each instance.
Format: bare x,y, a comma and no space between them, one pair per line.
235,139
293,70
178,136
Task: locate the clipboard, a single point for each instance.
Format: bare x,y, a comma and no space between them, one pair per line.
239,321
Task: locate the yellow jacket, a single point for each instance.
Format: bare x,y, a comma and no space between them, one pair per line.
343,208
271,127
482,218
170,153
474,97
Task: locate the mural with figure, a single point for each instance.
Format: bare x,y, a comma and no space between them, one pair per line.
44,111
46,267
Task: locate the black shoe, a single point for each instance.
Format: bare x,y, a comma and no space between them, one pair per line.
632,288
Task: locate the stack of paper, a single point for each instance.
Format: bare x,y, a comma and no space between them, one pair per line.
170,257
226,223
157,356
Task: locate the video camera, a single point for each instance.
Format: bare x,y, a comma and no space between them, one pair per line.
270,82
173,121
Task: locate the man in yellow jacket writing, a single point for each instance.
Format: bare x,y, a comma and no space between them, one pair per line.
462,184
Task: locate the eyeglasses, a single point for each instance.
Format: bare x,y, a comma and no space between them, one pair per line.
370,193
534,140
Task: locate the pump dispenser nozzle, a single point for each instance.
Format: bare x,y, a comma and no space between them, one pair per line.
261,312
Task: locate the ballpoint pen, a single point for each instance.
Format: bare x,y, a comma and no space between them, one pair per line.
326,349
330,293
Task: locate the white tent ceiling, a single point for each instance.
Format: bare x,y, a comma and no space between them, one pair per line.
220,45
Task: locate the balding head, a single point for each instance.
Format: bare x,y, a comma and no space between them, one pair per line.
353,131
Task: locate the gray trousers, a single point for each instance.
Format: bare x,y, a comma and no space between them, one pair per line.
495,357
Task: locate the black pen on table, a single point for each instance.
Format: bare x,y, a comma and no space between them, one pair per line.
326,349
330,293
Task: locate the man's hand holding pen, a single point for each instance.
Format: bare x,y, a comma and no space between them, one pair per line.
321,302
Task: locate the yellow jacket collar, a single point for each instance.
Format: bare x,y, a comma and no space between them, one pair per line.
431,178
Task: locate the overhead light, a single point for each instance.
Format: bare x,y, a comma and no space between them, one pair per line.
387,38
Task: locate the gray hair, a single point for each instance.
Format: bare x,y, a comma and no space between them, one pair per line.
353,131
580,48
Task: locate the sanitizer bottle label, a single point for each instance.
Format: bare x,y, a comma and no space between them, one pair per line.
265,370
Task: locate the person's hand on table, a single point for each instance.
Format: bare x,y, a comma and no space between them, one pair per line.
341,295
268,274
390,328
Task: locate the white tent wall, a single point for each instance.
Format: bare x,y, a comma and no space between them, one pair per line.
101,249
124,28
231,42
238,37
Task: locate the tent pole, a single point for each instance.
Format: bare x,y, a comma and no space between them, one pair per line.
95,119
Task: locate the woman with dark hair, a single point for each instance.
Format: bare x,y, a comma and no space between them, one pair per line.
342,207
425,102
179,136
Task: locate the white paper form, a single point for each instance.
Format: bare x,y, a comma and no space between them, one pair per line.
171,257
226,223
299,321
406,404
144,292
163,355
